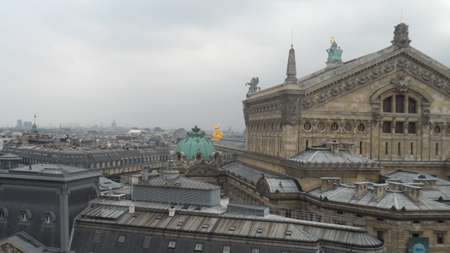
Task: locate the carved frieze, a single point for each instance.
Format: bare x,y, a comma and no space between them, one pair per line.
401,83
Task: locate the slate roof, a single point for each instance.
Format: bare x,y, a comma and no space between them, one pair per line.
228,143
105,183
50,169
324,155
26,243
399,199
55,172
442,186
179,182
249,172
282,185
205,225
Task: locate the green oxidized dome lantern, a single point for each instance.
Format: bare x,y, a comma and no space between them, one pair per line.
194,142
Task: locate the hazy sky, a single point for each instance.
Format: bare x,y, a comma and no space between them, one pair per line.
183,63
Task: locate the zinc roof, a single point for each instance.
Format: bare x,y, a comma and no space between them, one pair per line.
180,182
50,169
325,155
227,143
282,185
249,172
399,199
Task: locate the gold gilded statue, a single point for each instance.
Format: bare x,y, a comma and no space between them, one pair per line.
217,135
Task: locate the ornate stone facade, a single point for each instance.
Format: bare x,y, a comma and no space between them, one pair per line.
392,104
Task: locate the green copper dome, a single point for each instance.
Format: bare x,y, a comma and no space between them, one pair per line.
194,141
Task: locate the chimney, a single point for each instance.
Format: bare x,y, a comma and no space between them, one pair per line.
361,188
171,211
395,186
414,192
379,190
334,146
131,208
428,183
330,183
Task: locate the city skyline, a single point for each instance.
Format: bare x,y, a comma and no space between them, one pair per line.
184,64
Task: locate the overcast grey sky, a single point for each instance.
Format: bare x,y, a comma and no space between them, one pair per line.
183,63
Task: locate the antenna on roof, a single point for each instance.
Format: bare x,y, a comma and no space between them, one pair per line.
292,37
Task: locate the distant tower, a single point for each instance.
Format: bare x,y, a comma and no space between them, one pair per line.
291,71
113,124
19,123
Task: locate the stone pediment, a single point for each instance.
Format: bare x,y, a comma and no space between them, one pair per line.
411,62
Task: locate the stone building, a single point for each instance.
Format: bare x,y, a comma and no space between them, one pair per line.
42,200
393,211
392,104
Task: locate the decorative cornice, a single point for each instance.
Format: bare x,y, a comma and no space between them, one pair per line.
404,61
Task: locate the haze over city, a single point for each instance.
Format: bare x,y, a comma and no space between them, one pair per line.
180,64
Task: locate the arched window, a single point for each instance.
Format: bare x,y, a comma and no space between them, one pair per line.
399,104
387,104
412,106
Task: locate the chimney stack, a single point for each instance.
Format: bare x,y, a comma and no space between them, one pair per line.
330,183
361,188
379,190
414,192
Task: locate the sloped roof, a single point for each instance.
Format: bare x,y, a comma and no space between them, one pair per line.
442,188
180,182
324,155
228,143
399,199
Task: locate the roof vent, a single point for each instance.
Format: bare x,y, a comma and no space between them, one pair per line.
171,211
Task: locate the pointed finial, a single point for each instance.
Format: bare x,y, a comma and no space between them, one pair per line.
291,71
332,39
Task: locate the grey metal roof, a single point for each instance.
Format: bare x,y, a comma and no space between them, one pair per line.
213,222
399,199
10,157
442,189
180,182
228,143
282,185
51,169
325,155
25,242
106,183
249,172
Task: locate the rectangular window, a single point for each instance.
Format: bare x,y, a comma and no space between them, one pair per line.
399,127
172,244
360,147
121,240
226,249
387,148
198,247
97,236
399,148
411,105
387,104
416,221
415,235
412,127
255,250
146,243
386,127
306,143
437,148
412,148
440,238
380,235
399,104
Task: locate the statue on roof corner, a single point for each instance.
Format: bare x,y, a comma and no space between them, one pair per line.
335,52
217,135
401,38
253,85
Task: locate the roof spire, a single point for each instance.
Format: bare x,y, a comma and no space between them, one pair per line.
291,71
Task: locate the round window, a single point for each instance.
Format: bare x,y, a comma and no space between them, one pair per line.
361,127
334,127
348,127
321,126
307,126
437,129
